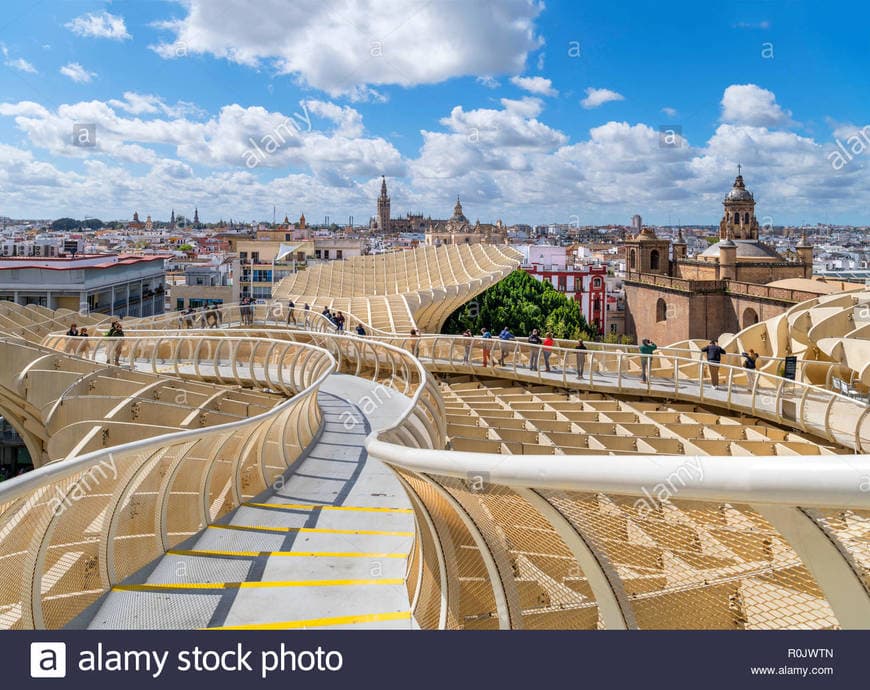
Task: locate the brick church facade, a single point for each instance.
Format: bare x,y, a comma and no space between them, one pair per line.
671,297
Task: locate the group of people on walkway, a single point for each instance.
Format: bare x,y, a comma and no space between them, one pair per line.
74,346
495,349
336,318
492,351
113,352
209,316
713,353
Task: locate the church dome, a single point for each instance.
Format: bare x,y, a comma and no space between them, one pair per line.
748,250
739,192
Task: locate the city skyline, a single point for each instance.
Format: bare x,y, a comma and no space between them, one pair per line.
568,115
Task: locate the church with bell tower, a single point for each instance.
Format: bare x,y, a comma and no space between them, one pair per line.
734,283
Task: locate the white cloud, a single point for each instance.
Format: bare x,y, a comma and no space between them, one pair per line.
99,25
536,85
748,104
670,112
237,137
77,73
505,161
21,65
340,49
489,82
145,103
597,97
349,121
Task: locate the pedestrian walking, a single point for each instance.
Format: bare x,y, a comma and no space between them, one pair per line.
647,347
548,349
291,312
468,341
750,363
486,334
415,342
504,337
714,356
580,347
307,314
534,341
360,330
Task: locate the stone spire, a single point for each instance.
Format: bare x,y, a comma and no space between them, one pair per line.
458,215
384,207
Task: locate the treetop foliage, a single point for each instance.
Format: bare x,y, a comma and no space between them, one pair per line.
522,303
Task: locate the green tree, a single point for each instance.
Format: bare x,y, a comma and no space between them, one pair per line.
522,303
65,225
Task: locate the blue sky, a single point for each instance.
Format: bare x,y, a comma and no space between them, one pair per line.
531,112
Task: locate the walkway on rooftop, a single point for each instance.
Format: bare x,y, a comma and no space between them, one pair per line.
326,548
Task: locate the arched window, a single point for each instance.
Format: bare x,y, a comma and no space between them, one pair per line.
632,260
596,282
661,310
746,218
654,260
750,317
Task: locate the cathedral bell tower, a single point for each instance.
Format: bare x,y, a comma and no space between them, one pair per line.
738,221
646,253
384,208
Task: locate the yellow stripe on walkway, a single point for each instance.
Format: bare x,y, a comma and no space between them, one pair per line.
321,622
318,530
302,506
164,586
305,554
